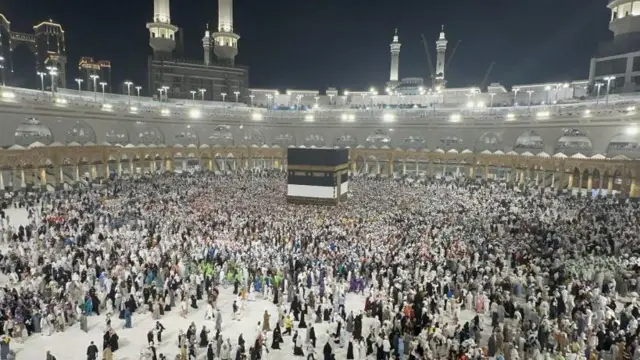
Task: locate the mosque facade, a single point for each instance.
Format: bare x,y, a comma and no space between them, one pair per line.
405,129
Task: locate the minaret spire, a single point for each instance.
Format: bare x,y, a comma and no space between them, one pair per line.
225,40
441,49
162,33
206,45
395,60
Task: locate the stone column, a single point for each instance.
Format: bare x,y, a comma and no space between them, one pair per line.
131,167
537,178
1,180
378,167
77,173
43,177
610,185
61,175
570,185
404,168
472,172
390,168
119,168
633,188
23,180
553,180
94,172
486,172
366,167
590,182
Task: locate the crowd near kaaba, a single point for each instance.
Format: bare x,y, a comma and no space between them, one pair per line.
208,266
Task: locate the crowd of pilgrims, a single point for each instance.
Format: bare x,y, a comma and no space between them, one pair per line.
445,270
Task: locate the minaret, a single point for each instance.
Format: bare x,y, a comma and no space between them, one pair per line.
395,60
441,49
206,44
225,44
162,33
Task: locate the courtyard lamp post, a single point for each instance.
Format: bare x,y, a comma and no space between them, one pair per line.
2,69
138,88
251,100
547,89
598,86
515,96
129,83
608,79
95,78
224,96
193,95
79,81
529,92
492,96
237,94
103,84
53,72
166,93
41,74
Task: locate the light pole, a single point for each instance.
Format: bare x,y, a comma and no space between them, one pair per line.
166,92
344,100
95,78
529,92
251,100
608,79
41,79
138,88
103,84
316,98
224,96
598,86
515,97
331,99
2,68
299,97
492,95
129,83
547,89
202,91
193,95
79,81
269,98
237,94
53,72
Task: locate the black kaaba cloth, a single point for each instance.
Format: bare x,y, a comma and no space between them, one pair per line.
317,176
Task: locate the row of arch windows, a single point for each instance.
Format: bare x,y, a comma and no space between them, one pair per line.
572,141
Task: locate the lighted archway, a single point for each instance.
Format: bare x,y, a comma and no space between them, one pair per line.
378,139
31,130
574,141
490,140
221,136
529,141
315,140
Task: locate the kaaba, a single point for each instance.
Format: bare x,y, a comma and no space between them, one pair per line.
317,176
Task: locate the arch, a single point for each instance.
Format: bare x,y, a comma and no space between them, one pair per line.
529,141
253,137
315,140
414,142
489,140
624,144
284,140
186,137
81,133
574,141
117,136
450,142
148,135
378,139
221,136
32,130
345,141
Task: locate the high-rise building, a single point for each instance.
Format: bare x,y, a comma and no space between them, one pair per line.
89,67
46,43
616,65
212,79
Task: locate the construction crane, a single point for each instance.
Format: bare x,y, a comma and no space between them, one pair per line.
483,85
432,71
453,53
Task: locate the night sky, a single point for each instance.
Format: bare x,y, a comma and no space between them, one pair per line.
313,44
